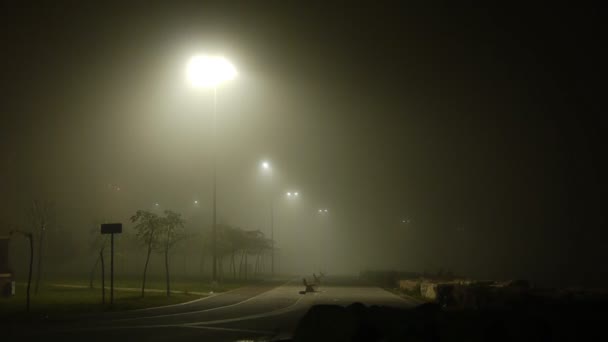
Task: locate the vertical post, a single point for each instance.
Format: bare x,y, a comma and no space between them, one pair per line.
103,278
272,236
29,276
214,274
112,269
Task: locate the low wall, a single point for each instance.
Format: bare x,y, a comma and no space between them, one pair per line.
409,285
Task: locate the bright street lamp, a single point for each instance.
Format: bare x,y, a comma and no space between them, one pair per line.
209,72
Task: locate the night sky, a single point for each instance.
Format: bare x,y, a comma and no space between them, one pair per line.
483,127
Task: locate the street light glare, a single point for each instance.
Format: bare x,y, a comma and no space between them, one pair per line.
265,165
296,194
289,194
209,71
195,202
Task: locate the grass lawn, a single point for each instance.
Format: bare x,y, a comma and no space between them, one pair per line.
54,301
70,295
179,284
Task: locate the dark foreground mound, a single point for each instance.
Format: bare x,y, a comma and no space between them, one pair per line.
574,321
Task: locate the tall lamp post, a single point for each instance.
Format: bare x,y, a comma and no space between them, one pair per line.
209,72
323,213
265,166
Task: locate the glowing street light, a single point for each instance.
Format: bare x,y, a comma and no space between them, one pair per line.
195,201
265,165
289,194
209,72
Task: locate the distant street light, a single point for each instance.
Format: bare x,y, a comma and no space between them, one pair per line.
265,166
209,72
323,236
195,201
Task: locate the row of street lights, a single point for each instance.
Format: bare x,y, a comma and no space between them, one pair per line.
204,71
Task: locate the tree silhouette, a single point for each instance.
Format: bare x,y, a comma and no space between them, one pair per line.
171,232
148,227
41,215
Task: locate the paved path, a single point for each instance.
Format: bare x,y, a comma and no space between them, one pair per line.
265,310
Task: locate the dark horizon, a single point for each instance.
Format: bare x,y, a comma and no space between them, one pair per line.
483,128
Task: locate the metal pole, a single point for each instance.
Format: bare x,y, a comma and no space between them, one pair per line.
103,278
214,228
29,276
112,269
272,235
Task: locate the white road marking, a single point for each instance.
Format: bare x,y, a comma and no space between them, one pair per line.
200,311
229,329
203,324
250,317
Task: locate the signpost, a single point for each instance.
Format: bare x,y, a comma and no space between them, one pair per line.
111,228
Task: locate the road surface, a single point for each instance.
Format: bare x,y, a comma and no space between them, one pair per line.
265,311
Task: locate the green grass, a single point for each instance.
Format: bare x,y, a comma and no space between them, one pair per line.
53,300
56,301
154,282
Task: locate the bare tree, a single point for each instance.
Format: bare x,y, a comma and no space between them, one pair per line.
97,245
172,231
41,216
30,237
147,227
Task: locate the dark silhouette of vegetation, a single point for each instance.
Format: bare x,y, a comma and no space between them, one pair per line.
172,231
147,227
236,245
40,215
30,237
97,244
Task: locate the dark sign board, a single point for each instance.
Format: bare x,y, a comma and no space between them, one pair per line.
111,228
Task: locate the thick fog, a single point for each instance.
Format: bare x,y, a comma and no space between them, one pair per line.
431,146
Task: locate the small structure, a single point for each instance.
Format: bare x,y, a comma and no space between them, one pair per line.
7,287
308,287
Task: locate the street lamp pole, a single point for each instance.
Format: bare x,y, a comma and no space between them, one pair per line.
210,71
214,228
272,234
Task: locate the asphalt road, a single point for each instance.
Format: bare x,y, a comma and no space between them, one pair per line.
265,311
